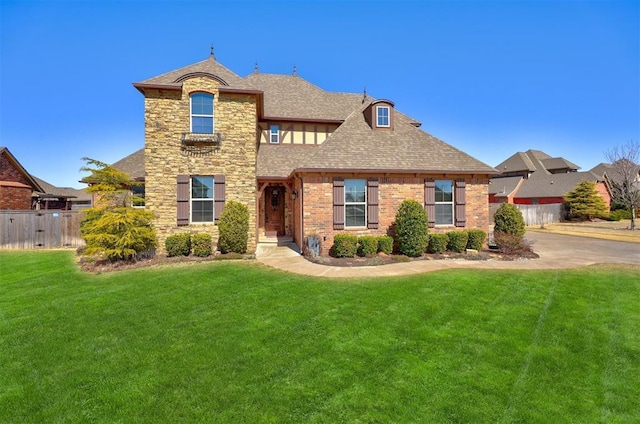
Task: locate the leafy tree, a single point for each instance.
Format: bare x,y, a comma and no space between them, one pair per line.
412,228
585,202
624,181
112,228
234,228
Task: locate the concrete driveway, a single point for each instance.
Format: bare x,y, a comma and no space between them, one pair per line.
556,252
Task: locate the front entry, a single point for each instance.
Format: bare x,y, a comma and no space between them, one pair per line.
274,210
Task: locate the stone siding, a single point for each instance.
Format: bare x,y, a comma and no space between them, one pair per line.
392,190
167,116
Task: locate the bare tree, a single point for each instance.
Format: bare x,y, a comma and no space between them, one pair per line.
624,181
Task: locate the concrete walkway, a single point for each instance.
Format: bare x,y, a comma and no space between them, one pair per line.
556,252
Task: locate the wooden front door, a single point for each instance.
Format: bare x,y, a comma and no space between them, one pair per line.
274,210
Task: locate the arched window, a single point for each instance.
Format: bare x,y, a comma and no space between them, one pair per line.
202,113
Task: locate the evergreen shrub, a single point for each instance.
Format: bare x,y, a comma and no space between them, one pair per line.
367,246
508,219
178,245
201,244
438,243
412,228
476,239
457,241
344,246
233,227
385,244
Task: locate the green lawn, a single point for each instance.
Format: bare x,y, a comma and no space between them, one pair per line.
239,343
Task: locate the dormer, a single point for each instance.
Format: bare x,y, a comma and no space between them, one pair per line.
379,115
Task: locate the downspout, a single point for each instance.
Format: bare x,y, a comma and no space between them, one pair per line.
301,214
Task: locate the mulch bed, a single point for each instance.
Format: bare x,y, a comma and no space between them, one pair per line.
382,259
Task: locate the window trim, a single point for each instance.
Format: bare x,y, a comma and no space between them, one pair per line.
378,116
141,194
276,134
363,204
451,203
193,200
198,115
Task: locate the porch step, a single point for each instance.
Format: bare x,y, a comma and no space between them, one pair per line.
280,240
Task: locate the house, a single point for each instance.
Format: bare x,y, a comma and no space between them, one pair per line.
16,184
20,190
535,178
305,161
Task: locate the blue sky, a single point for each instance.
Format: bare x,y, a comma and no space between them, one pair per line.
490,78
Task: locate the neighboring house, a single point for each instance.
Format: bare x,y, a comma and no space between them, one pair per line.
20,190
535,178
16,184
304,160
65,198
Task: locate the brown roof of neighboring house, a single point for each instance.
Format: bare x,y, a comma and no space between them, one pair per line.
504,186
553,164
355,146
553,185
519,161
49,190
133,165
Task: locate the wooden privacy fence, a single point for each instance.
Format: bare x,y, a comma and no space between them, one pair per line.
40,229
535,214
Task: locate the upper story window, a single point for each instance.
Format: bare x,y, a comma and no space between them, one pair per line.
382,116
202,113
355,203
202,199
274,134
444,202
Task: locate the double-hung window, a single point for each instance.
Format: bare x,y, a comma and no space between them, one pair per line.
274,134
382,116
444,202
202,113
355,203
202,199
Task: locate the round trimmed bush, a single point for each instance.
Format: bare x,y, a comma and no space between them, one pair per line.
457,241
438,243
201,244
233,226
367,246
344,246
178,245
385,244
476,239
412,228
508,220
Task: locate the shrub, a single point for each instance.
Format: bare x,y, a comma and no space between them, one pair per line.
201,244
511,243
457,240
412,228
344,246
367,246
508,219
476,239
233,226
118,233
619,214
178,245
438,243
385,244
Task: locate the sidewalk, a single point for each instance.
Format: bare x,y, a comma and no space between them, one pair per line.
556,252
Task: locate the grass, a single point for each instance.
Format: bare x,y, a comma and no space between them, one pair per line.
606,230
238,342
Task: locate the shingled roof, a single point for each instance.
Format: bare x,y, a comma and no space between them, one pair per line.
292,97
504,186
355,146
51,191
535,161
553,185
133,165
209,66
280,160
